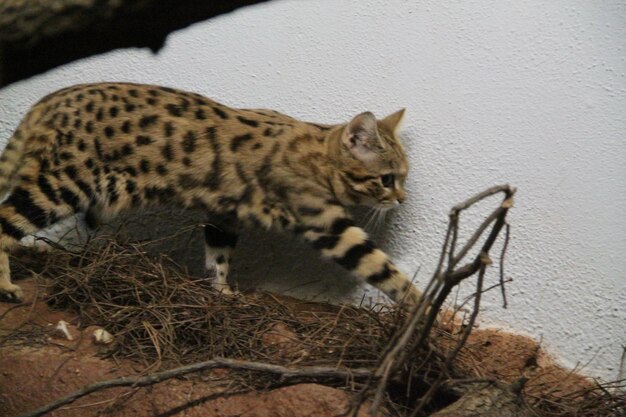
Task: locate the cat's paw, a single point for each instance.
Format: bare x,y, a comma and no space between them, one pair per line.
11,292
410,298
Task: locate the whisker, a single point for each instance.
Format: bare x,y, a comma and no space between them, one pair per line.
369,217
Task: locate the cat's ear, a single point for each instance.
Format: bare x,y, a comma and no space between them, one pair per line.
393,122
361,137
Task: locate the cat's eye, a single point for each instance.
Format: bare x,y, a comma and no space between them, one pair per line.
388,180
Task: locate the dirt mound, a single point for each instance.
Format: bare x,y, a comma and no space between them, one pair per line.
161,318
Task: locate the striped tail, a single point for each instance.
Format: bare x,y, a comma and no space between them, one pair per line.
10,162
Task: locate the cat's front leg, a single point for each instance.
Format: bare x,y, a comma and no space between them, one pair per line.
219,245
333,233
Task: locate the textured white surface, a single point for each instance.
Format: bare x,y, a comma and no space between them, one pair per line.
532,93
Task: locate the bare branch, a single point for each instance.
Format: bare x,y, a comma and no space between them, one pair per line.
416,329
151,379
37,35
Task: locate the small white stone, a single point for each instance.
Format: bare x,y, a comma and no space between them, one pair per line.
102,337
62,329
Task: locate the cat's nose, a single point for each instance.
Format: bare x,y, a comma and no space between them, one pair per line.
400,196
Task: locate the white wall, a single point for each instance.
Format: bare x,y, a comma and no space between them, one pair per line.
527,92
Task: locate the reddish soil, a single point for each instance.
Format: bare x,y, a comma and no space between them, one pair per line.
38,371
494,353
32,376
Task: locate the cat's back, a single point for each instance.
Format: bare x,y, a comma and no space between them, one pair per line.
130,111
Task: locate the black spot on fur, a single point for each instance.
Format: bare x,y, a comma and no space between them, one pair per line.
109,131
381,276
350,260
144,166
147,121
220,113
46,189
248,122
98,148
189,142
168,152
66,156
71,172
10,230
174,109
113,111
161,169
239,140
142,140
212,179
23,204
126,126
340,225
130,171
85,188
168,129
131,186
200,114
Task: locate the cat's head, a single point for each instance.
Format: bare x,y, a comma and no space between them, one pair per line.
372,162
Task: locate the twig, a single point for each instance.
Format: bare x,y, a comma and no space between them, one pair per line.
505,246
155,378
416,329
451,356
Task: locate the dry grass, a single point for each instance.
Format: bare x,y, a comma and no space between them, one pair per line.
162,317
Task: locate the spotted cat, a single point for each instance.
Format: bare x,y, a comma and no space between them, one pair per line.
104,148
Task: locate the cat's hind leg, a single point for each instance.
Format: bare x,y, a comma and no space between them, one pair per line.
219,244
30,207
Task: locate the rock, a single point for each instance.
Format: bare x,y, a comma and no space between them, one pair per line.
494,400
62,330
102,337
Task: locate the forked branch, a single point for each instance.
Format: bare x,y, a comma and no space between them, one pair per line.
416,329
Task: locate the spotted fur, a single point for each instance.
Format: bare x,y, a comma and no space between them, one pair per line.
105,148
